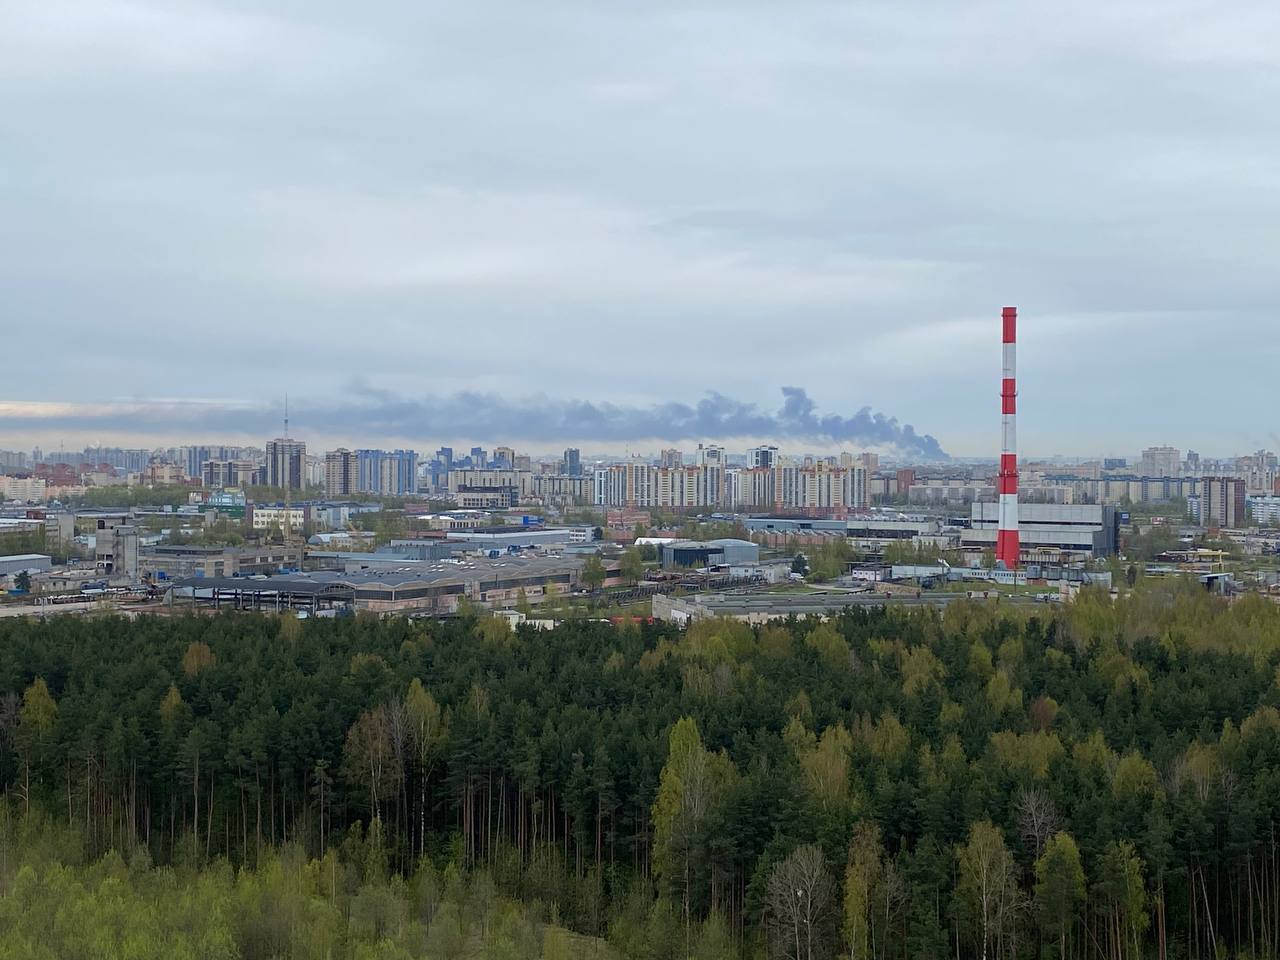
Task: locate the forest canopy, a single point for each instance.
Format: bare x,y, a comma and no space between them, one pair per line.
1097,780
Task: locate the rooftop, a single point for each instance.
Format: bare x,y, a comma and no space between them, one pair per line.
419,572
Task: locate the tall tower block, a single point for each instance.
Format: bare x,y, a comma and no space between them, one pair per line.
1007,547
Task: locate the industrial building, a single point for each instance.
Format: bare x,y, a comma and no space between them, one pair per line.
15,564
1048,529
763,607
506,537
433,588
861,527
115,551
709,553
181,562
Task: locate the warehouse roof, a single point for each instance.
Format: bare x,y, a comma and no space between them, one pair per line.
444,572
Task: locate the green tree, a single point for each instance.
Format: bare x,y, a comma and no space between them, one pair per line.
35,733
632,566
1122,892
690,786
1059,890
593,572
861,878
22,581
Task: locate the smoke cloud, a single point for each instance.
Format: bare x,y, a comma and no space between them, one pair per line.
370,415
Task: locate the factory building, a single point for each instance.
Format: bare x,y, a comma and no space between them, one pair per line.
709,553
115,551
180,562
432,588
1048,529
870,527
15,564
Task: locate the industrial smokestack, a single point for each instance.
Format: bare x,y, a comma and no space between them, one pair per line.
1007,547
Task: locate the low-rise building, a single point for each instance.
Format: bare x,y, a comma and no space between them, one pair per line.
503,538
267,516
33,563
181,562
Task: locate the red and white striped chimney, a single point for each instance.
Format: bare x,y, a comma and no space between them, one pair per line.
1007,547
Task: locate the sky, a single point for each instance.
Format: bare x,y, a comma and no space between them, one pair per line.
586,221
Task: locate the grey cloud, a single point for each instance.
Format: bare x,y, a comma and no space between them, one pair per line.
375,415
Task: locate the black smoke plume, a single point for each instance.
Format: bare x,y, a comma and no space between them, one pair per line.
369,415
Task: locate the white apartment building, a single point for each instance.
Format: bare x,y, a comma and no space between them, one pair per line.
26,489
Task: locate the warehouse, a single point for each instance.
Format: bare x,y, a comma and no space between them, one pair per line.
14,564
432,588
709,553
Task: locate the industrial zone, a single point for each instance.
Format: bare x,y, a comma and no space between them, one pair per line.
490,530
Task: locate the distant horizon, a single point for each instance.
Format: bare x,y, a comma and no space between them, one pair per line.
363,417
651,449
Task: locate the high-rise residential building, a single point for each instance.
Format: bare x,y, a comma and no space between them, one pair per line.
763,458
1222,502
1161,462
286,462
398,475
192,459
870,461
341,470
368,471
709,455
405,472
572,462
504,458
671,458
159,473
392,473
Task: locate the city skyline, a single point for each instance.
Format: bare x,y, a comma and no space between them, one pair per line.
1151,461
638,207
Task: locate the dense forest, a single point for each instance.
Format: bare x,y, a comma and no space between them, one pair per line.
1099,780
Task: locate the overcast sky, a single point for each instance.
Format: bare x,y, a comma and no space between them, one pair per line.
379,206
